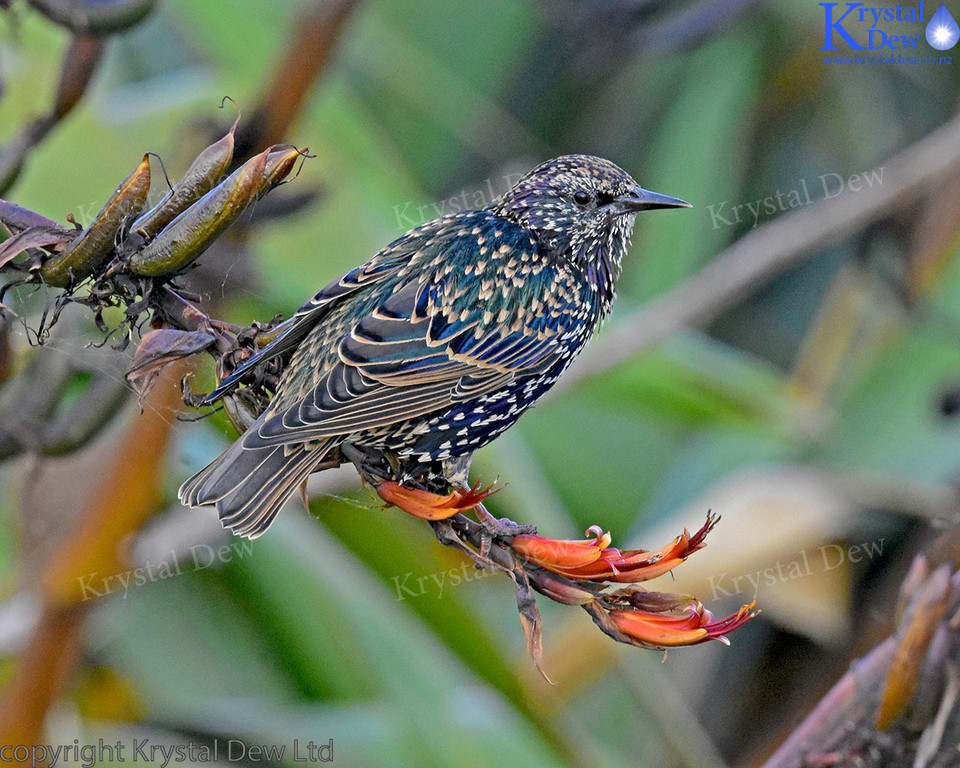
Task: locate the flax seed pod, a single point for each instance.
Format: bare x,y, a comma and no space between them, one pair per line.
279,164
202,175
195,229
92,246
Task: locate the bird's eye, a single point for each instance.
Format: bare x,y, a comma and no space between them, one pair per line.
582,198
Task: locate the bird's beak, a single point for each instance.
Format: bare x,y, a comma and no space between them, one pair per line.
638,199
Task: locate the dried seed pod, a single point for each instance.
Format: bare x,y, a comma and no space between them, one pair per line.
279,165
202,175
79,259
194,230
917,628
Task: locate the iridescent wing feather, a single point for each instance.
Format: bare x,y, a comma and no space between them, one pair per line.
298,326
433,332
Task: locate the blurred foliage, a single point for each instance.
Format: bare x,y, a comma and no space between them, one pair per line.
808,416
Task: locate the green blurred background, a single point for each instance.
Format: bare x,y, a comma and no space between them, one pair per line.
813,415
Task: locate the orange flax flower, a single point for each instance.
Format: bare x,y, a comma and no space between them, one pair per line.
561,555
432,506
695,625
597,561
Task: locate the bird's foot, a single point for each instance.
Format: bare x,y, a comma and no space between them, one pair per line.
498,528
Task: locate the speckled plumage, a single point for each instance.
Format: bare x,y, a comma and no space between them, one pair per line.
438,343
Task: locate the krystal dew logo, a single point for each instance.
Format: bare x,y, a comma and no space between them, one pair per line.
942,32
862,27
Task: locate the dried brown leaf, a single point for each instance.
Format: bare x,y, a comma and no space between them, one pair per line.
15,218
53,238
160,348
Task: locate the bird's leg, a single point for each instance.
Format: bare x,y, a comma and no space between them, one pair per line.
497,528
446,535
373,466
486,521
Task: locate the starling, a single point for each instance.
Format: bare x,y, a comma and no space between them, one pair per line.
412,361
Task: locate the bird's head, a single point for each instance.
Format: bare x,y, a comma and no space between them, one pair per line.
582,208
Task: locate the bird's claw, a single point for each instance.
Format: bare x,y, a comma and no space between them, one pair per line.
498,528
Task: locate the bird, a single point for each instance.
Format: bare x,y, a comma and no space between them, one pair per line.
417,358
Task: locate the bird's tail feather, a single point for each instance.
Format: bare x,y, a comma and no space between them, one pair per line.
249,486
